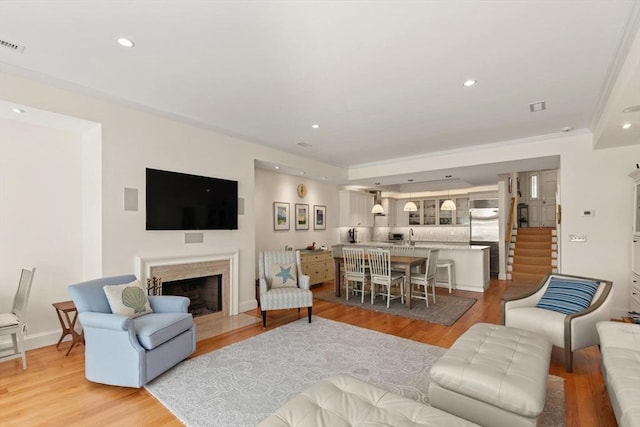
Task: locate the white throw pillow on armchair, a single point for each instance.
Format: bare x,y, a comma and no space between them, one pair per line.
284,276
129,299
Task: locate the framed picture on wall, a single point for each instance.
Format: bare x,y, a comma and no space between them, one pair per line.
302,217
319,217
280,216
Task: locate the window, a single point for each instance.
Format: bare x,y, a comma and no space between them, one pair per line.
533,186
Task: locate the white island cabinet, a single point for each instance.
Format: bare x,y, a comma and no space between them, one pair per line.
471,262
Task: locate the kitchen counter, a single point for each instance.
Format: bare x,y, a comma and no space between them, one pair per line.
471,262
422,244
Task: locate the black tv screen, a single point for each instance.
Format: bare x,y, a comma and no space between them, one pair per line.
179,201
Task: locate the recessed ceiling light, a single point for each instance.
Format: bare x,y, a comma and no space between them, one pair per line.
324,177
277,167
315,126
17,110
470,82
303,173
567,129
626,126
125,42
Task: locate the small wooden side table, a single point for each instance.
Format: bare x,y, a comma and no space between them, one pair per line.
68,324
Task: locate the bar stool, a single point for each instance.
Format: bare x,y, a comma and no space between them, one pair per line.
448,264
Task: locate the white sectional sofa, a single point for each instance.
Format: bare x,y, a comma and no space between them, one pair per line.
344,401
620,349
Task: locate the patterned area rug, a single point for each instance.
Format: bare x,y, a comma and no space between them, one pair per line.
240,384
445,311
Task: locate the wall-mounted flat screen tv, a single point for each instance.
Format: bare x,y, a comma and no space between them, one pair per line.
179,201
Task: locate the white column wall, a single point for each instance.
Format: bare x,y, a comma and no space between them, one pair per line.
40,219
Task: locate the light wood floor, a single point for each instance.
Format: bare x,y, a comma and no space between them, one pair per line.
54,392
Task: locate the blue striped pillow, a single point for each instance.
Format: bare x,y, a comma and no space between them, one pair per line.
568,296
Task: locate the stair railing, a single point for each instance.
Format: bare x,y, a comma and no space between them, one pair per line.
509,233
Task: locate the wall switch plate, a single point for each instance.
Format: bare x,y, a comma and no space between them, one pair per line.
577,238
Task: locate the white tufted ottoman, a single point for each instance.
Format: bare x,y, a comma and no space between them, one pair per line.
344,401
493,375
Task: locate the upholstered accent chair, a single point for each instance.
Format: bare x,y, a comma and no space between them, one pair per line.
563,308
131,351
282,284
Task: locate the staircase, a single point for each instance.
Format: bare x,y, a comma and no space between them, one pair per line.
532,254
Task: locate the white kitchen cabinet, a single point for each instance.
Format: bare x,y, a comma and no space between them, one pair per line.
462,210
355,209
634,300
429,212
402,216
389,217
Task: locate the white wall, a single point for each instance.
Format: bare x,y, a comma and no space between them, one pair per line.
599,180
130,140
276,187
40,218
125,142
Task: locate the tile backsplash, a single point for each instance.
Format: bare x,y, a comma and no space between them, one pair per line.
435,234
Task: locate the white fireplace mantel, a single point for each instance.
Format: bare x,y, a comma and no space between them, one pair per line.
143,267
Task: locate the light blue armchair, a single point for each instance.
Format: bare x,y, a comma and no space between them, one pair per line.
127,351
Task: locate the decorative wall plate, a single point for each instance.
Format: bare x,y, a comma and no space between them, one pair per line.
302,190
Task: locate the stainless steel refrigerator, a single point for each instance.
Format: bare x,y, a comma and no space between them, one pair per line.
484,229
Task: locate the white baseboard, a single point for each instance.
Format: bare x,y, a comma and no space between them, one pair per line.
248,305
41,339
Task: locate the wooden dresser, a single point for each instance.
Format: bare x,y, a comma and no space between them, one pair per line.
318,265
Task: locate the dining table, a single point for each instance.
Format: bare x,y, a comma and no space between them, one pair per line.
397,261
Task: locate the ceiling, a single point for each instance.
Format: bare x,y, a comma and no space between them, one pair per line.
382,79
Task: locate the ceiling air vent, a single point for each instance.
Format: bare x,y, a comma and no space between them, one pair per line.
537,106
12,46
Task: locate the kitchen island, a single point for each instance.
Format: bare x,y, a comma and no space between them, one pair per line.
471,262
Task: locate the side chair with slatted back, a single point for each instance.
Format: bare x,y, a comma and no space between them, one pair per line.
14,323
356,272
381,275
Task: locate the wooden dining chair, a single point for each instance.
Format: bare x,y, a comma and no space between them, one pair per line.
402,250
356,273
422,281
381,275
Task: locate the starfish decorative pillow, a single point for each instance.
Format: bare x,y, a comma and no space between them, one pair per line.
284,276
